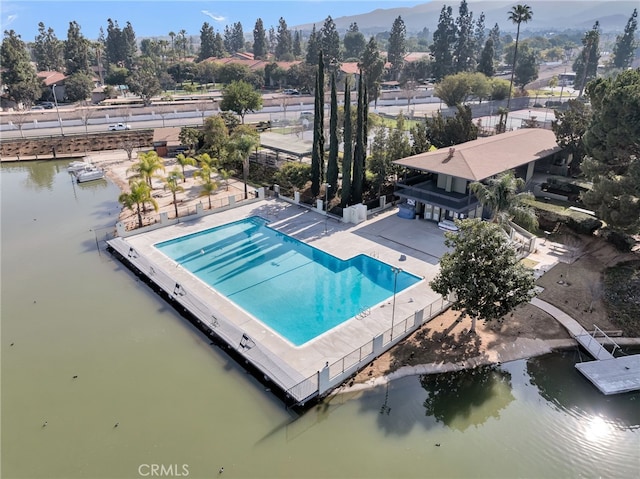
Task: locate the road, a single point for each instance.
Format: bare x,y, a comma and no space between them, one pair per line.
146,118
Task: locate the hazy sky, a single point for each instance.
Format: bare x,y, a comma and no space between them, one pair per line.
159,17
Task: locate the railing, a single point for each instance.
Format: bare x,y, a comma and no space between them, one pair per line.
148,219
343,368
597,332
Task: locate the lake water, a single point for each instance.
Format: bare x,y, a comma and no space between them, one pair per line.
183,408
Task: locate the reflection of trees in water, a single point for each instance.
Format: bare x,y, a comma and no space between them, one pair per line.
467,398
41,174
560,383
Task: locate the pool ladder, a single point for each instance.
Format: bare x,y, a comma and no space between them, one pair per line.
363,313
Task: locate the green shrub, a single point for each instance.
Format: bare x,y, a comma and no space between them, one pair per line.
622,296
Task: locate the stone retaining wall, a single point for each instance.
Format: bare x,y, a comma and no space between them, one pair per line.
72,145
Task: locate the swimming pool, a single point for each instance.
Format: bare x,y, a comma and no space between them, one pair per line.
295,289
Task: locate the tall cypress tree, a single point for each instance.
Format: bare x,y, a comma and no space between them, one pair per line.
332,164
347,156
317,156
358,155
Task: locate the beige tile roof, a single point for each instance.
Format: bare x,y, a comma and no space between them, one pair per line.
483,158
51,77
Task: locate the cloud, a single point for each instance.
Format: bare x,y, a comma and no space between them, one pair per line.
9,20
215,17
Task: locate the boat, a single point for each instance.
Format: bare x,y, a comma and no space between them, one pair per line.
89,174
75,166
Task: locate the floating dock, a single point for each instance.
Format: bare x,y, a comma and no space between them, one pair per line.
609,374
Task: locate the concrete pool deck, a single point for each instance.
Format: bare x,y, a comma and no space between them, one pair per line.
413,245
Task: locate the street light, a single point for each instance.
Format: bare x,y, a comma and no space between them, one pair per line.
395,270
326,205
55,100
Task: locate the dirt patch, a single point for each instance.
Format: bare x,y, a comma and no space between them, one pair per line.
575,288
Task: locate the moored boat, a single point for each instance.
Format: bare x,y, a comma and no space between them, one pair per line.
89,174
78,165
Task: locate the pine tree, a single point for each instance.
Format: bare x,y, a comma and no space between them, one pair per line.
259,40
317,156
494,34
47,50
626,43
485,65
612,160
479,37
332,162
443,39
76,50
397,47
219,46
372,65
114,44
284,45
297,44
354,42
207,42
347,154
464,49
586,65
237,38
20,81
330,42
313,47
130,46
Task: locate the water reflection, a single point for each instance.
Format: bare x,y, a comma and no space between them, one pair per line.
41,174
563,386
467,398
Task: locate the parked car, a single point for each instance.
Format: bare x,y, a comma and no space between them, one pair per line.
119,127
48,105
37,107
291,91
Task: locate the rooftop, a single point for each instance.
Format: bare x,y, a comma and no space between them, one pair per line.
486,157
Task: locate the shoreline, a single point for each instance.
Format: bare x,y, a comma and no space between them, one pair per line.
533,349
494,345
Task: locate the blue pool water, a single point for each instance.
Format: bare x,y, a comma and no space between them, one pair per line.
297,290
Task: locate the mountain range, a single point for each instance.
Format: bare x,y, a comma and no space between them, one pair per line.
548,16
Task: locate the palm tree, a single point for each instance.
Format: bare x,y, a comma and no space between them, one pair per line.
173,46
517,15
184,161
225,175
500,195
147,165
205,160
137,199
209,187
204,172
173,186
242,144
